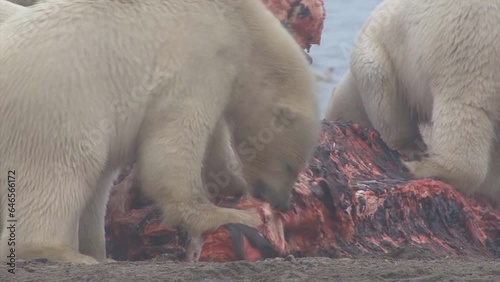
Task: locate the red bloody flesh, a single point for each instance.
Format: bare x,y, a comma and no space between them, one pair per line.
353,198
303,18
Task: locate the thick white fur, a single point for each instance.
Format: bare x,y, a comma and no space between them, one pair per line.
8,9
431,61
222,168
72,113
220,177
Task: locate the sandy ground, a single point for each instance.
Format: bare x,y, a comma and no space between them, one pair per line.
290,269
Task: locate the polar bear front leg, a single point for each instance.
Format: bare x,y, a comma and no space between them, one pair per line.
386,109
172,146
462,143
222,177
92,240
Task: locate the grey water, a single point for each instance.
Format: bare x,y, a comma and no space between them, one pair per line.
344,19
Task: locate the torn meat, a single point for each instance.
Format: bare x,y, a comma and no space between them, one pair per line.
303,18
354,198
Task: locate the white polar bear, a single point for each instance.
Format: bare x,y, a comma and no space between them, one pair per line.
91,85
437,62
220,179
8,9
222,171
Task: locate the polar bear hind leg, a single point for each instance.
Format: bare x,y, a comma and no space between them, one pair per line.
49,200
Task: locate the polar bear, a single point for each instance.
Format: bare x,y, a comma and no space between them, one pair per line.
8,8
222,170
222,176
433,62
91,85
222,167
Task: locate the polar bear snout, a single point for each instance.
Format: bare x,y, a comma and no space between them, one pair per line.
280,202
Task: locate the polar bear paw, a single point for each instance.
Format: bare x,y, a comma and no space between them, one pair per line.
109,260
254,237
458,174
423,168
413,151
211,219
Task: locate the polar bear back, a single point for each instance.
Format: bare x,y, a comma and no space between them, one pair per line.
99,58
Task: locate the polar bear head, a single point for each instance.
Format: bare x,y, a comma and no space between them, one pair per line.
275,154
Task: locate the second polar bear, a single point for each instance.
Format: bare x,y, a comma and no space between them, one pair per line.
436,62
74,110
